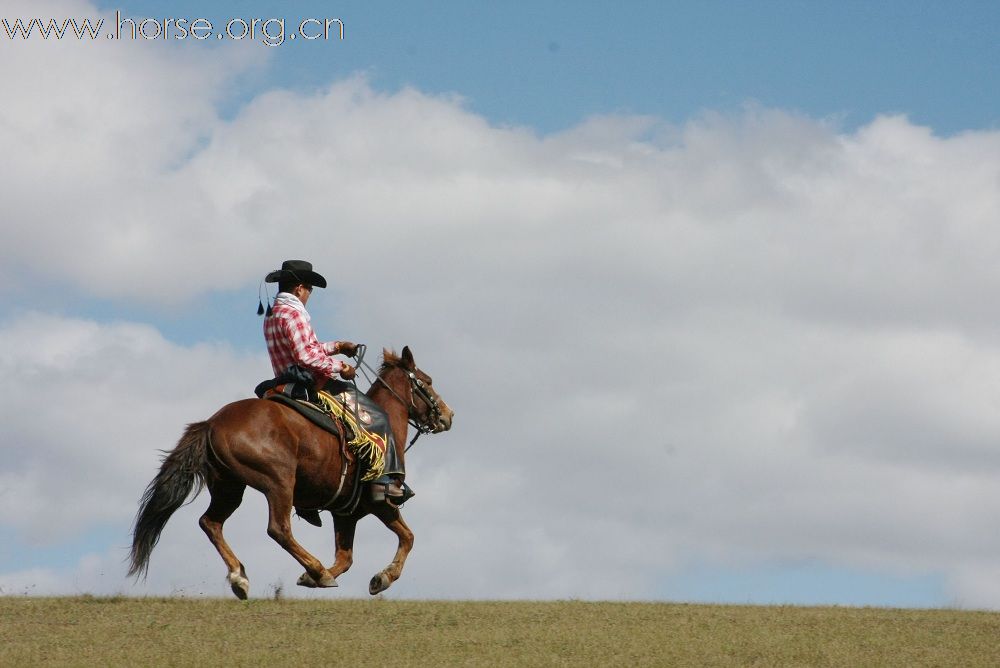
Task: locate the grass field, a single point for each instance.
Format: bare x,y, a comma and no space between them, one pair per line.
91,631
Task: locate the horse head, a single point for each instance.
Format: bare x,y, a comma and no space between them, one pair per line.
414,387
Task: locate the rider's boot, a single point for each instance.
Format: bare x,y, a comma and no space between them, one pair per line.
391,489
407,492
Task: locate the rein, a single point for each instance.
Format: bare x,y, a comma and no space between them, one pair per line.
416,387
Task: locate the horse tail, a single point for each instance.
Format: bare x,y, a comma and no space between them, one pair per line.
183,469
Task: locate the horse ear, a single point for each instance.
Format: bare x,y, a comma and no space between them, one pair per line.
408,358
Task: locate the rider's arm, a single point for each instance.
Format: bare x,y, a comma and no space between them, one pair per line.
341,348
307,351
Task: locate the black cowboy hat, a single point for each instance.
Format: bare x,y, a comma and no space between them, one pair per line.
299,271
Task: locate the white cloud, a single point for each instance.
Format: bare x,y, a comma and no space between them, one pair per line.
747,338
90,406
97,130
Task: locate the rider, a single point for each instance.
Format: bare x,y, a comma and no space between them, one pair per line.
291,343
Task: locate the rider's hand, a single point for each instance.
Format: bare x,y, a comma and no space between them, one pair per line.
347,348
348,372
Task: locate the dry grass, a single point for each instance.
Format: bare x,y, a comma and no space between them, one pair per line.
89,631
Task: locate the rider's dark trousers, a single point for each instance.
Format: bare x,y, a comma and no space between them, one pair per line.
379,425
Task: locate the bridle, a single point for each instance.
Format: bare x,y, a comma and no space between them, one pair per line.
417,389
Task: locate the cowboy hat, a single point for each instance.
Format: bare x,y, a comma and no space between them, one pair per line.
299,271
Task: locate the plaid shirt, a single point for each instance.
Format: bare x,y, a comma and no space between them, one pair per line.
291,340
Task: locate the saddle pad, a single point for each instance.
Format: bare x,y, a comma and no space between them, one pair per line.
311,412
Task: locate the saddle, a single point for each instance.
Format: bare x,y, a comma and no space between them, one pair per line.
316,413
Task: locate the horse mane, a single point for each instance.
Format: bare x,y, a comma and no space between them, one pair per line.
390,360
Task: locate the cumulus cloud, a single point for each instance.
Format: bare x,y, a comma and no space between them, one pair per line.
91,405
97,129
745,339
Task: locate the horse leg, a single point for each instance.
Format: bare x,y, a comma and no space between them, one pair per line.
384,578
226,498
279,527
343,528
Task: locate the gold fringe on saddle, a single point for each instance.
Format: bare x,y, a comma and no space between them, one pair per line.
366,445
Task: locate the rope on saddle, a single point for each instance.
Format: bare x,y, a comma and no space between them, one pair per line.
367,445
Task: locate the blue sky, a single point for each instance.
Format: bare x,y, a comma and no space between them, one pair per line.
549,65
776,261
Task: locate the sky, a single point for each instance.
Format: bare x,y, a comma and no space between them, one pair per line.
707,285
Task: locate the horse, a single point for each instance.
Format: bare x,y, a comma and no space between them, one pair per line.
272,448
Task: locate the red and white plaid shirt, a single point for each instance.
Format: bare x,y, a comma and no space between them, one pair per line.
291,340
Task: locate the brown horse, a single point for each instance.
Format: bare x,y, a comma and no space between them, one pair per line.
281,454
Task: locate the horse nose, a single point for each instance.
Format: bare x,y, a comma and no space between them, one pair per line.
446,421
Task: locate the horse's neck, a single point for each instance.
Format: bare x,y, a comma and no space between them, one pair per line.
395,410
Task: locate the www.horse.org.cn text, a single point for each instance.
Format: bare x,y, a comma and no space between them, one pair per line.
270,31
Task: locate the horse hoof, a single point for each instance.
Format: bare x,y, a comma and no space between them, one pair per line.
240,586
327,580
378,584
305,580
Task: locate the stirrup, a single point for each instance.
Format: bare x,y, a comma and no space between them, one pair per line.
380,492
